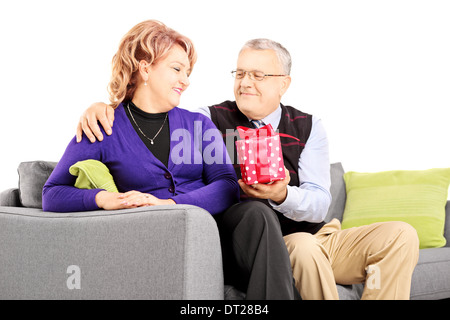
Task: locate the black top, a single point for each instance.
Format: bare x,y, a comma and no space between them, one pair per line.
150,123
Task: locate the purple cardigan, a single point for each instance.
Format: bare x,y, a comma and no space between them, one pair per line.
190,179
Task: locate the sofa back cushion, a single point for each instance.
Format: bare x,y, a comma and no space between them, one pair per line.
32,177
337,191
447,224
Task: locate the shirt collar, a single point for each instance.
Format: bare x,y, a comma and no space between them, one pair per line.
273,118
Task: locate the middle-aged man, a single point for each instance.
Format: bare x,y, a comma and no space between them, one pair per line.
278,229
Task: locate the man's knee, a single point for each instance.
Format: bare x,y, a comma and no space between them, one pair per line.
404,236
403,231
255,214
409,236
303,247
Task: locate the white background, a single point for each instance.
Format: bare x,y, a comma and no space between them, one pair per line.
376,72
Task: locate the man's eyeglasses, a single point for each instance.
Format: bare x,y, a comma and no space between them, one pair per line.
253,75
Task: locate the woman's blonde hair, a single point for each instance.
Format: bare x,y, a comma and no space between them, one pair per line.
150,41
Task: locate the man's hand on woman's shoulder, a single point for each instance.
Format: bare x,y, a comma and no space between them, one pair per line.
97,112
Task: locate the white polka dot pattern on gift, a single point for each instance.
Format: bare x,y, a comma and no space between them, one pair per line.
260,159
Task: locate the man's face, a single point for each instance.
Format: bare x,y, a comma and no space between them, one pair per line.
258,99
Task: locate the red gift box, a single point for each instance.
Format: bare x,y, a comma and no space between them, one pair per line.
260,155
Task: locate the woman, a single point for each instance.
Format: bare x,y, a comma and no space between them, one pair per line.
150,71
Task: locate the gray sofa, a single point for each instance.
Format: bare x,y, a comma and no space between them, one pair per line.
167,252
431,277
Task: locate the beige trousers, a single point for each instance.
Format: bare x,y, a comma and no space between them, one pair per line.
381,255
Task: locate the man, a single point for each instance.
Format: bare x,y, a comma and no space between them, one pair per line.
278,228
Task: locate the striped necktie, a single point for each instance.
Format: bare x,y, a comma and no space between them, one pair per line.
258,123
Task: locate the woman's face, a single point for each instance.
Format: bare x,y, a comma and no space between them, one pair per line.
168,78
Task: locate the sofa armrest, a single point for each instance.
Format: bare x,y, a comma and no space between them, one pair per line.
10,198
161,252
447,224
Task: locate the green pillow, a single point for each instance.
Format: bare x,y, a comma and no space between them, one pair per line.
415,197
93,174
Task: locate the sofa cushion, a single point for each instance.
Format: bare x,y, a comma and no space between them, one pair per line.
350,292
32,177
416,197
431,277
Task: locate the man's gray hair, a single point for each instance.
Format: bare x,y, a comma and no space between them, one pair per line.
266,44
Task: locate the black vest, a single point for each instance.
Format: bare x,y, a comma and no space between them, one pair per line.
226,116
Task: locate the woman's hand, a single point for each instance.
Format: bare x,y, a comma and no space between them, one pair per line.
131,199
139,199
88,122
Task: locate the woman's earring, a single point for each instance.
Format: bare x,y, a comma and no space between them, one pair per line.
145,83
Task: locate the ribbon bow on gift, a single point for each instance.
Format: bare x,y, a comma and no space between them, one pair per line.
265,131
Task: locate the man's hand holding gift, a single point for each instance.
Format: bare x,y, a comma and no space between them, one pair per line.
275,191
264,175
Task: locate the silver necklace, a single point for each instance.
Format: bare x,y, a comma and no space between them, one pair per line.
151,140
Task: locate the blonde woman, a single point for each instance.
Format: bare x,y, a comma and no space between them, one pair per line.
155,156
